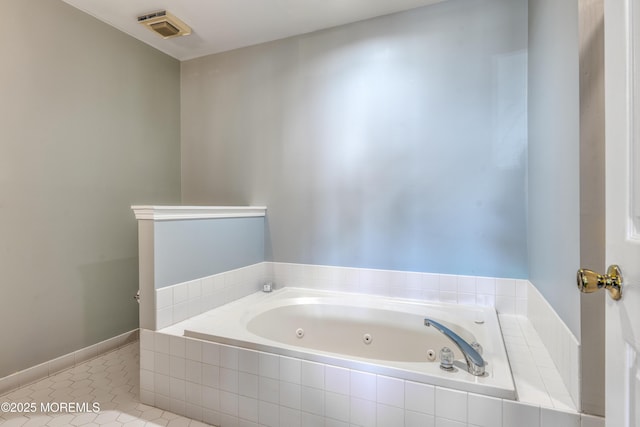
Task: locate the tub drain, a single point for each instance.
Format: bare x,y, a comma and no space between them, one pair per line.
367,338
299,332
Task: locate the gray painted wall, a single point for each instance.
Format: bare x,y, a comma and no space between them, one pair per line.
396,143
554,155
187,250
90,126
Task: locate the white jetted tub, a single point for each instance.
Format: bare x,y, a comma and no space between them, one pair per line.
369,333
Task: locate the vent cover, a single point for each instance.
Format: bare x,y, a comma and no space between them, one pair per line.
164,24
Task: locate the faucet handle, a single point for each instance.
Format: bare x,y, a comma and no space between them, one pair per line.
446,359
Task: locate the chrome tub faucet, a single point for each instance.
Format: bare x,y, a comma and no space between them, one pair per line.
475,362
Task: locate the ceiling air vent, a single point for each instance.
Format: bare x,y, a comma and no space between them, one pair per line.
164,24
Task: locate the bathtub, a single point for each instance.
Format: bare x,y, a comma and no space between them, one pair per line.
368,333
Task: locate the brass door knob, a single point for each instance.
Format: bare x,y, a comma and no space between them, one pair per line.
590,281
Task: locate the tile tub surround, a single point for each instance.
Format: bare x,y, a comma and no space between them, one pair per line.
52,367
563,347
508,296
184,300
231,386
535,375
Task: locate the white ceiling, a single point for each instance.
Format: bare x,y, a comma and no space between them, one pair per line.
220,25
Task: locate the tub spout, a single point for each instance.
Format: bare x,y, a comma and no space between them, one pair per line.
475,362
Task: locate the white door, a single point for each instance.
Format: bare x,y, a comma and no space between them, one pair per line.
622,87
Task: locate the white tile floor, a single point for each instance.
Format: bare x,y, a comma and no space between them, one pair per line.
111,381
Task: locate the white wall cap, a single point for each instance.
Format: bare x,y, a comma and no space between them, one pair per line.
165,213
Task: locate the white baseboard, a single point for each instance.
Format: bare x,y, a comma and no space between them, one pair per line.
51,367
